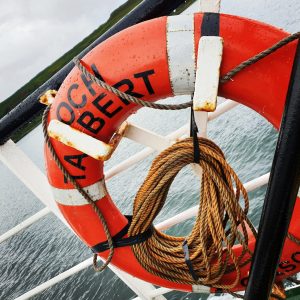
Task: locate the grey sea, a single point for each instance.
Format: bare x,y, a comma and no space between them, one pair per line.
48,248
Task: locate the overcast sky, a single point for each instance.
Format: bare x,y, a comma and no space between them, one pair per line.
34,33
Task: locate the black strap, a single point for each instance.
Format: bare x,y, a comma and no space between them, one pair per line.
210,27
194,135
188,261
219,292
120,241
210,24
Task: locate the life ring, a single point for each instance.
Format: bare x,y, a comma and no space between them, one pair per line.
147,61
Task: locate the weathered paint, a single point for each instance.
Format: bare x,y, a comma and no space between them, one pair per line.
48,97
180,40
208,72
79,140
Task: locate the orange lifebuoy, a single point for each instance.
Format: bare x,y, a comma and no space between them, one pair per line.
154,60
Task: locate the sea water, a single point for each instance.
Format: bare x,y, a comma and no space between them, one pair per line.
48,248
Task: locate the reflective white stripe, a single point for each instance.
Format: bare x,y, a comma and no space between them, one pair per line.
299,193
201,289
72,197
181,53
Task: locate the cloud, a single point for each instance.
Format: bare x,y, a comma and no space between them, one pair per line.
35,33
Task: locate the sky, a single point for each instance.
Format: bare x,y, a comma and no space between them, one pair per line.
34,33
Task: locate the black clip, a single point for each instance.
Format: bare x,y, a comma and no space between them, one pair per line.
194,134
188,262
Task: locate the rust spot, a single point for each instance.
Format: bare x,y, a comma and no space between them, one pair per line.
55,137
206,105
104,157
48,97
70,144
122,128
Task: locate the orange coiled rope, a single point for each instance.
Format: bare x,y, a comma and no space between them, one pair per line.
221,222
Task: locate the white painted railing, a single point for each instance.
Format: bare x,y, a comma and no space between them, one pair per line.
26,223
151,293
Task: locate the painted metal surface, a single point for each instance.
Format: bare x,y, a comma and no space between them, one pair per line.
250,186
191,212
187,214
212,114
26,223
142,289
19,163
293,293
181,132
146,137
208,72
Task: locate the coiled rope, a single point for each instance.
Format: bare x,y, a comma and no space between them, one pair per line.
221,221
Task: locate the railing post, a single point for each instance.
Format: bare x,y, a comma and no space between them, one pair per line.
280,196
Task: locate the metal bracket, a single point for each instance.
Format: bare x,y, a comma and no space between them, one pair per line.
208,72
48,97
83,142
100,150
210,52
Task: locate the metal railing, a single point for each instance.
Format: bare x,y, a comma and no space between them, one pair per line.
38,184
